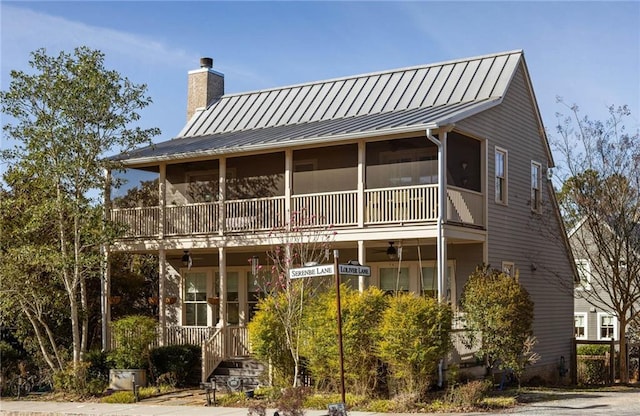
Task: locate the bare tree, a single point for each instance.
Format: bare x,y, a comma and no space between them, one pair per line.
301,243
601,206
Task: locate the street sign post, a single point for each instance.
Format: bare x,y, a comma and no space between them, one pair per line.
351,269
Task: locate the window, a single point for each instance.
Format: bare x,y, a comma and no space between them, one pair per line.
233,298
584,273
501,176
580,325
536,186
195,299
429,281
509,268
393,280
606,326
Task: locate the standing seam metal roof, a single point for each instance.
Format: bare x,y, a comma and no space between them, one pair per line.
433,94
473,79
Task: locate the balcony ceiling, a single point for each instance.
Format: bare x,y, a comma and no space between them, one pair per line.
377,103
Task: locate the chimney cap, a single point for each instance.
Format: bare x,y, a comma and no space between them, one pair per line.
206,63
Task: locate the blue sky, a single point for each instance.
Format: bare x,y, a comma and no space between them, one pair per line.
586,52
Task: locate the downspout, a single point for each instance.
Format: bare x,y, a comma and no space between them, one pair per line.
441,247
440,244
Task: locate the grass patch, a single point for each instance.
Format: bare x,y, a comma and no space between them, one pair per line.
126,396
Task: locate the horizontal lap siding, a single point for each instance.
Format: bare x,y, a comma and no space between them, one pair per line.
517,235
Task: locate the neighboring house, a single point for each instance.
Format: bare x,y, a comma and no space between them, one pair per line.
448,161
594,320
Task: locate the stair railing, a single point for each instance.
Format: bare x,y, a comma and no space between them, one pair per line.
212,353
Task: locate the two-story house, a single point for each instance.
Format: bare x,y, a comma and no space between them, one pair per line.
601,289
446,161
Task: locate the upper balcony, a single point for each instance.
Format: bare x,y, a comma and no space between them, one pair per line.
355,185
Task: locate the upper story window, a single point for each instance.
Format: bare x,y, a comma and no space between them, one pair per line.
580,325
536,186
584,273
606,326
501,176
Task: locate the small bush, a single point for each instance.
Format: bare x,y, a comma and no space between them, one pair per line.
98,365
133,335
119,397
128,397
291,403
469,395
76,379
593,349
380,406
177,365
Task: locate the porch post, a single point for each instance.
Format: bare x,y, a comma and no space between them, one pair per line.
288,174
162,200
360,197
222,273
162,255
105,284
222,194
162,312
105,289
442,216
362,259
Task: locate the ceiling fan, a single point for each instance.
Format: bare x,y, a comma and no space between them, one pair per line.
393,252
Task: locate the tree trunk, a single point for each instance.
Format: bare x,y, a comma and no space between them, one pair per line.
624,372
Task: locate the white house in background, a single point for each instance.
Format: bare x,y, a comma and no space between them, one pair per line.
448,161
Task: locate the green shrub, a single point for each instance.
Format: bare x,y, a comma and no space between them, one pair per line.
361,316
593,349
593,367
414,336
380,406
177,365
133,335
119,397
268,339
98,365
75,379
499,310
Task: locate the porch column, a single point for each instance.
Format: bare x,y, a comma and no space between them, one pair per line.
162,306
222,194
162,199
105,284
362,259
105,289
442,216
222,274
288,176
360,197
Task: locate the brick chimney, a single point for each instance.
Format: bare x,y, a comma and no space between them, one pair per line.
204,86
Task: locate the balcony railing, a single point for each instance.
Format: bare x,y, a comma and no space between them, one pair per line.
401,205
335,208
408,204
